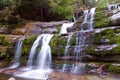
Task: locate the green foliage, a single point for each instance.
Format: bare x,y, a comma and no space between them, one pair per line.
8,16
2,38
45,10
101,20
29,40
5,41
58,40
114,68
58,28
102,3
73,41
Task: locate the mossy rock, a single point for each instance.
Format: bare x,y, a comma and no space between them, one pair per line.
107,34
58,40
114,68
58,50
29,40
5,40
101,20
73,41
76,26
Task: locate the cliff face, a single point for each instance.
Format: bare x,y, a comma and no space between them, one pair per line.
103,42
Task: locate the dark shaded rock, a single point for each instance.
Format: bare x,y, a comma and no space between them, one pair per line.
64,34
77,25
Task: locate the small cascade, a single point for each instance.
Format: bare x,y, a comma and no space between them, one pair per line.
33,51
65,67
113,6
43,60
83,39
17,54
64,27
88,20
44,57
66,54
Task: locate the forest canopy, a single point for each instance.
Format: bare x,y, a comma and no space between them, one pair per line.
45,10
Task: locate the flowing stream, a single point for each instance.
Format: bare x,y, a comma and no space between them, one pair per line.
17,54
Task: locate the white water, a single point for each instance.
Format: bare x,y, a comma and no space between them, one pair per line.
17,54
65,67
66,54
113,6
89,17
33,51
43,59
64,27
82,38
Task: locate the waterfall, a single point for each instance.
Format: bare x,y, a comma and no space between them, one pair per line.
66,54
17,54
43,60
88,20
82,40
33,51
44,56
64,27
113,6
65,67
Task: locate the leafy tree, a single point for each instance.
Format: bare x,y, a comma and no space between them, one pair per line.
45,10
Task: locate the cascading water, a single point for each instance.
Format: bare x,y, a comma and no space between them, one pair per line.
82,40
43,61
44,56
65,67
64,27
113,6
17,54
33,51
88,20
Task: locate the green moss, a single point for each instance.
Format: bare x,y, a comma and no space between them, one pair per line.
73,41
58,40
91,49
5,41
29,40
58,28
117,30
25,50
59,50
100,8
106,34
114,68
101,20
2,38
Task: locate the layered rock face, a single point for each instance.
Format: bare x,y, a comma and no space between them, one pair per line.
102,43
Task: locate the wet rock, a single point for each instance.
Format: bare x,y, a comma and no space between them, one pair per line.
11,79
105,40
3,30
49,24
105,47
115,16
43,27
